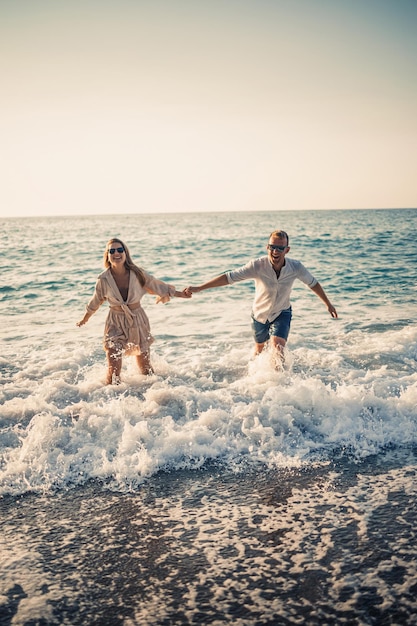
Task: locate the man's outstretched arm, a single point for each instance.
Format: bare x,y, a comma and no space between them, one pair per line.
319,291
219,281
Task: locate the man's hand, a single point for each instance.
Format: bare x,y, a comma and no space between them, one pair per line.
332,311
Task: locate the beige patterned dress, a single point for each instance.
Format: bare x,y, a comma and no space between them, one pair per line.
127,326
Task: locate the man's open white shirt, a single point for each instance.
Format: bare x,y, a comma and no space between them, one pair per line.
272,294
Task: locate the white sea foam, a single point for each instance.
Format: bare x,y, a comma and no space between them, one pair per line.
215,408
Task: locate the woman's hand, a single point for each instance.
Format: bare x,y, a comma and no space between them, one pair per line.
84,320
183,294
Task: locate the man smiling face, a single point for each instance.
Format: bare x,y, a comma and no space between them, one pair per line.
277,249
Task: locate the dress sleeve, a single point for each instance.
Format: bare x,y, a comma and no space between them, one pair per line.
157,287
97,299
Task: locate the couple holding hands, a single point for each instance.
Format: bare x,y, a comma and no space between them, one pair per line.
123,284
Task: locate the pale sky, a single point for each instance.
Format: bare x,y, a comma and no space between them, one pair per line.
131,106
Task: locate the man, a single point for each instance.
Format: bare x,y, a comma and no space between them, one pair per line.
274,276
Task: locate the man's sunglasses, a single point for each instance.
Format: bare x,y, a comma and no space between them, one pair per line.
277,248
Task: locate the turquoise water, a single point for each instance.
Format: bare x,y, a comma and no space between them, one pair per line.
218,490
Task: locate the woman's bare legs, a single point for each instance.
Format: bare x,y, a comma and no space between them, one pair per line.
144,363
114,362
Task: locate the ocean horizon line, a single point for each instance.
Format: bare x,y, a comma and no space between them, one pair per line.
202,212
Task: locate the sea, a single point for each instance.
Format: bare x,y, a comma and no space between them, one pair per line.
219,490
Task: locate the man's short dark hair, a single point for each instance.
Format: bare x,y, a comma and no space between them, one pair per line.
280,234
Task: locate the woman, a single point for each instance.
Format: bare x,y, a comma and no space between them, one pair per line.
127,329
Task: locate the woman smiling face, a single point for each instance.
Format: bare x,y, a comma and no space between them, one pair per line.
116,254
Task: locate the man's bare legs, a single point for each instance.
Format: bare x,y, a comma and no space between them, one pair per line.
278,345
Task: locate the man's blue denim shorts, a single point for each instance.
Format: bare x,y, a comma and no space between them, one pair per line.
279,327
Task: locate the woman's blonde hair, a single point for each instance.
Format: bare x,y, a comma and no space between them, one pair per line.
128,262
